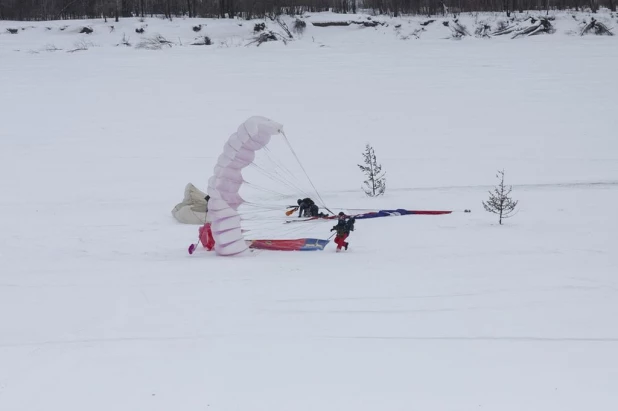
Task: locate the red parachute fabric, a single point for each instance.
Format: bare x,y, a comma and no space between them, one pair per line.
206,238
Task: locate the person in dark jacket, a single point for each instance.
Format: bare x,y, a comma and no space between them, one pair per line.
343,228
307,208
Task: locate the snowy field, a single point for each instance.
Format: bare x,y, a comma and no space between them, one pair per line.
101,307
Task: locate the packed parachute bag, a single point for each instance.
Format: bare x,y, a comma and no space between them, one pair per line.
193,208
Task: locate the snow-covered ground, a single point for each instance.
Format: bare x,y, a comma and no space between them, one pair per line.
102,308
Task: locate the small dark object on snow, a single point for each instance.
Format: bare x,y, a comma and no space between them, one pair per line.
140,30
541,26
428,22
503,29
154,43
86,30
416,33
597,28
283,26
197,28
501,26
259,27
445,23
124,41
268,36
372,23
458,30
331,23
203,41
299,26
13,31
483,31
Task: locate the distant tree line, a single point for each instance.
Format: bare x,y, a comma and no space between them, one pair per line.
248,9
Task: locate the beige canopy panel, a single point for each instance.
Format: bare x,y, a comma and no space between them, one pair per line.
193,209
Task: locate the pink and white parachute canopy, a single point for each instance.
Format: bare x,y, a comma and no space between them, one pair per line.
223,186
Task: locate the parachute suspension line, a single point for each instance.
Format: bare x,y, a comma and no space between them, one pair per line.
260,209
283,167
262,206
277,178
264,227
266,190
292,183
273,207
294,231
275,175
305,171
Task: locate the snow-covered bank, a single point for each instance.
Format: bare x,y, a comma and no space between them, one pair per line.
53,36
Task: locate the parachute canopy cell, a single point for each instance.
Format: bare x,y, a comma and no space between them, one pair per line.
224,185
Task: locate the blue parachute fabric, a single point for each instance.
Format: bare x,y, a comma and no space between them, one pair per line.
314,244
383,213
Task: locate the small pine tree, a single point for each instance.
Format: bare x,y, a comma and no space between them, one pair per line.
499,201
375,184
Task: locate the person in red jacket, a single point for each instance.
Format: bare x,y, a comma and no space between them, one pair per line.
343,228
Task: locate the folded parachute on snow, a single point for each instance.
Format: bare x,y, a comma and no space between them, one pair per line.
193,209
225,200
